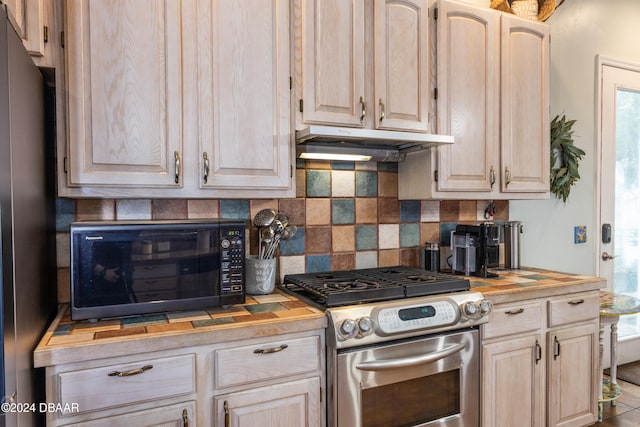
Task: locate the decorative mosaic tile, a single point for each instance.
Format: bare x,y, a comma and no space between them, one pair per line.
138,330
318,183
95,210
388,210
367,166
366,210
300,163
343,261
184,316
343,184
388,257
388,166
409,211
256,317
318,211
234,209
272,298
301,183
342,165
317,240
318,263
291,265
367,259
293,312
152,319
213,322
343,238
63,250
366,184
136,209
170,327
343,211
169,209
430,211
388,236
265,308
409,235
295,245
429,232
294,209
387,184
65,212
410,257
366,237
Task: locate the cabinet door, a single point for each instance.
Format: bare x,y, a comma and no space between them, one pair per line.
28,18
512,382
244,106
124,93
290,404
468,96
401,34
332,59
525,105
573,355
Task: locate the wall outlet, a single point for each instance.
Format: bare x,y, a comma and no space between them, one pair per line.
580,234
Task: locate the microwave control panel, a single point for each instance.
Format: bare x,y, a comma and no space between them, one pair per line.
231,260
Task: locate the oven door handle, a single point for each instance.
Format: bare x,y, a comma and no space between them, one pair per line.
383,365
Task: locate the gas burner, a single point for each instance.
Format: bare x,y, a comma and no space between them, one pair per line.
351,285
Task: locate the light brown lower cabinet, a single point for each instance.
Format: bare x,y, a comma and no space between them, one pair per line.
271,381
540,361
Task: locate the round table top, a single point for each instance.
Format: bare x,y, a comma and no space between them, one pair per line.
612,304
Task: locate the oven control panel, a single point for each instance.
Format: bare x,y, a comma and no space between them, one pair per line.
367,324
394,320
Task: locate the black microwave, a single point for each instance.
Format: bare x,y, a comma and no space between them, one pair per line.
121,268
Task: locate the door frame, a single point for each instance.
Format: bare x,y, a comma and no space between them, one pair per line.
629,352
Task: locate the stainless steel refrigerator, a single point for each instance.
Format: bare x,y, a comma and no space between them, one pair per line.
27,280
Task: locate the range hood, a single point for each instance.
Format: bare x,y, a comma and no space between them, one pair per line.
339,143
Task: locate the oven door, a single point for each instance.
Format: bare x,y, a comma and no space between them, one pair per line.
425,381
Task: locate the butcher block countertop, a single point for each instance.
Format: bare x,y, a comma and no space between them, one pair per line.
528,283
69,341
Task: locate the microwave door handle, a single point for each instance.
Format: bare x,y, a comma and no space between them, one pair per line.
383,365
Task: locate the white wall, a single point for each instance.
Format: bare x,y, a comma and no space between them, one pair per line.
580,30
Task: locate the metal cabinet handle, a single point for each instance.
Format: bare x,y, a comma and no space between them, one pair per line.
131,372
176,157
507,176
382,365
381,103
556,348
511,312
576,301
226,414
363,109
185,418
492,177
205,157
270,350
538,352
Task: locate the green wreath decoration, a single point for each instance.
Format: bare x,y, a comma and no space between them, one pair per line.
565,157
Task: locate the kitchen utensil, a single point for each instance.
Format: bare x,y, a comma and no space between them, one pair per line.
266,237
264,218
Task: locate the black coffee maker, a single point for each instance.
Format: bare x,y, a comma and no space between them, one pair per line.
475,249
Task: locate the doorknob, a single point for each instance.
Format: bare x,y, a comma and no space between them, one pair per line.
607,257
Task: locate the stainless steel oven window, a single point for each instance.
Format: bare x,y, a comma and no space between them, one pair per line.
395,385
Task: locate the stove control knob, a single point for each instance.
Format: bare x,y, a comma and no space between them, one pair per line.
485,307
470,309
365,325
348,328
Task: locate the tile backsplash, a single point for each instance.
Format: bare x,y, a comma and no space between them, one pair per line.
347,213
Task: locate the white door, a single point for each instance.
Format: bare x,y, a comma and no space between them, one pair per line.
619,176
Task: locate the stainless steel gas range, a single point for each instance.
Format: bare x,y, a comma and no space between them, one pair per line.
402,345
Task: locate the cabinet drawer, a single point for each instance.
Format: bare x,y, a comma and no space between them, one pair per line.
99,388
574,308
263,361
173,415
513,319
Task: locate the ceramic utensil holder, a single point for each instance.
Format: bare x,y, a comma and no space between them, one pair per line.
260,275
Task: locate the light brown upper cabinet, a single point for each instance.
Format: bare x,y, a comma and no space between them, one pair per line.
33,20
363,64
493,97
167,98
